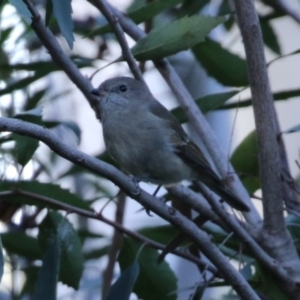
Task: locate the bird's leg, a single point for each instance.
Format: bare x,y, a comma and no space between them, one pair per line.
136,183
156,190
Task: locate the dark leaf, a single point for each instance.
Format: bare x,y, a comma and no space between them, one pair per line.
45,286
123,287
49,12
269,36
174,37
154,281
71,257
226,67
62,11
295,128
206,104
285,95
25,148
1,260
49,190
33,100
162,234
17,242
191,7
22,10
245,162
141,14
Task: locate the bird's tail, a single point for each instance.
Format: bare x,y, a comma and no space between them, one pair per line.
227,196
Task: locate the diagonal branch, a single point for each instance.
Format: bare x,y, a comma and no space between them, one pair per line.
117,226
196,117
199,237
114,22
274,237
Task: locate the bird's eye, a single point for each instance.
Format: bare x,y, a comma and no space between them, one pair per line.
123,88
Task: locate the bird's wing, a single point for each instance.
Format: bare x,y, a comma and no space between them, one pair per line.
187,150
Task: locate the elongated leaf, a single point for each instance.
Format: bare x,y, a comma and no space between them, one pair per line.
206,104
21,83
68,124
269,36
245,162
1,260
62,11
71,258
22,10
45,286
191,7
34,100
25,148
293,129
174,37
141,14
226,67
17,242
155,281
49,190
279,96
123,287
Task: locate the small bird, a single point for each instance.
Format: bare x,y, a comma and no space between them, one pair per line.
148,142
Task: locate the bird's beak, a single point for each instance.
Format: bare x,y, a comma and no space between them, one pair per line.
95,92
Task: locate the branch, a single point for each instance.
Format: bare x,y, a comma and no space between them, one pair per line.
59,57
196,117
199,237
274,237
115,247
114,22
92,215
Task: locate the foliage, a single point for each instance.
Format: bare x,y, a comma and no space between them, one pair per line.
39,189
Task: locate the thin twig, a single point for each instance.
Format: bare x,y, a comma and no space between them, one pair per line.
199,122
199,237
114,23
115,246
93,215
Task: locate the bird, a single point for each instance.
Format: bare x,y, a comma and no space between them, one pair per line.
148,142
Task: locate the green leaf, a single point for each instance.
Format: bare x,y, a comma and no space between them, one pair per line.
34,100
96,253
31,275
17,242
245,162
295,128
161,234
155,281
284,95
174,37
49,190
265,282
68,124
1,260
49,12
22,10
269,36
226,67
71,257
151,9
21,83
141,14
62,11
191,7
206,104
25,148
293,225
123,287
45,286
